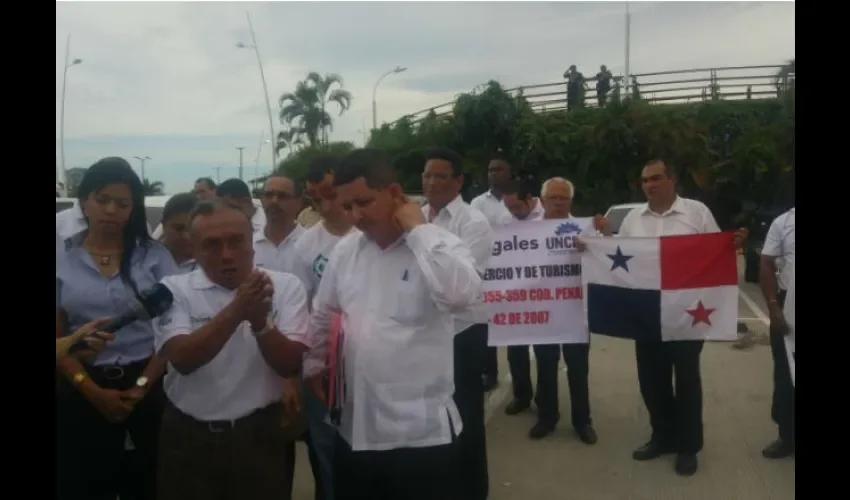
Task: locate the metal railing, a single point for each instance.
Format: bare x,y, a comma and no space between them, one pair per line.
662,87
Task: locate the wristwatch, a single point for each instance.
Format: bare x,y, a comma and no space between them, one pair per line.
79,378
141,382
266,329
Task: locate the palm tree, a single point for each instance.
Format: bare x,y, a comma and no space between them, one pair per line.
307,106
155,188
289,138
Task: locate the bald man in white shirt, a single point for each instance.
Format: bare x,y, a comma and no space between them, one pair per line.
397,286
230,337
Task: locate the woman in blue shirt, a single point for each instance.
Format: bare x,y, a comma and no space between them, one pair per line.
119,391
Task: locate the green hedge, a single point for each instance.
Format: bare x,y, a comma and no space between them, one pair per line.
727,152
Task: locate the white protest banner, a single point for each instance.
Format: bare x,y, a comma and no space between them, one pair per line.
791,319
532,285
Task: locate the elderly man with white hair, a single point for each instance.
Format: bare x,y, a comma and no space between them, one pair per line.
556,195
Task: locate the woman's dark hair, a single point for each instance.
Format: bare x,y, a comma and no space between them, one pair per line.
114,170
181,203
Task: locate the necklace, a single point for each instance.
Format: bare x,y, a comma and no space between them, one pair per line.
101,259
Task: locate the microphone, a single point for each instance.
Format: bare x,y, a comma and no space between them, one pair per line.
147,305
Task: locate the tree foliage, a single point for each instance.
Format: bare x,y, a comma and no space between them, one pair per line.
295,165
305,111
726,151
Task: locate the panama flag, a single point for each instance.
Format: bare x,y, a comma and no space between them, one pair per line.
663,288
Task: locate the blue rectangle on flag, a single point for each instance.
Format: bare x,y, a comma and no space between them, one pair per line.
627,313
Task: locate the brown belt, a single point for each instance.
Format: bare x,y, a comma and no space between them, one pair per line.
270,413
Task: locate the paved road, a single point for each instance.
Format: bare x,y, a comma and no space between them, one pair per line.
737,387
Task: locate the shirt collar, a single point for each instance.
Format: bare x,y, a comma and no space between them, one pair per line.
452,208
296,231
678,207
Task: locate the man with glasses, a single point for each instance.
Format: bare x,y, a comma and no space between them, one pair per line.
274,245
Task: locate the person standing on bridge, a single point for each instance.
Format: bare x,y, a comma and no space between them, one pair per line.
674,404
779,245
490,204
442,180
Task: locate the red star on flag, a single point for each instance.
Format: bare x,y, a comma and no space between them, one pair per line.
700,314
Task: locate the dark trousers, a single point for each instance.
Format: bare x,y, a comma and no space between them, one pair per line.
245,459
782,405
491,362
91,463
675,415
577,359
491,359
470,350
400,474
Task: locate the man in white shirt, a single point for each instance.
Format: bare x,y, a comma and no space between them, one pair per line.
442,180
274,245
675,415
236,192
310,258
521,206
231,335
779,245
490,204
556,196
397,286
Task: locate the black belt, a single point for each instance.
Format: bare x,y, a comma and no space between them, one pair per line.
274,410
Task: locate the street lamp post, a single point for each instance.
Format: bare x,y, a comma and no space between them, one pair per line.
398,69
60,175
263,78
143,159
241,149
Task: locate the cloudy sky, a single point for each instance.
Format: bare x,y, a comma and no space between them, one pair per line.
166,80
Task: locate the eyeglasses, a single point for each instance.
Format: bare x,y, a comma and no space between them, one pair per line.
565,199
282,195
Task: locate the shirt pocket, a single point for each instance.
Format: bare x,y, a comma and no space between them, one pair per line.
409,303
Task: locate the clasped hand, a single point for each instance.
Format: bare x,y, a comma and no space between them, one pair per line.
253,300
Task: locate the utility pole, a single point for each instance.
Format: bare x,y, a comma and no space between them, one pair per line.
627,83
241,149
218,175
143,159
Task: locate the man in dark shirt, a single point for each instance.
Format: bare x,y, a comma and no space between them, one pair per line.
603,85
575,82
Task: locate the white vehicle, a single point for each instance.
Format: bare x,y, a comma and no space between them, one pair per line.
617,213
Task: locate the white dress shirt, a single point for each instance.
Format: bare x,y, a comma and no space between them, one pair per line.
397,307
281,257
258,220
781,242
685,216
472,227
537,212
491,207
237,381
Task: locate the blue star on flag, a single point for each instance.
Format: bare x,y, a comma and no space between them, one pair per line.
620,260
